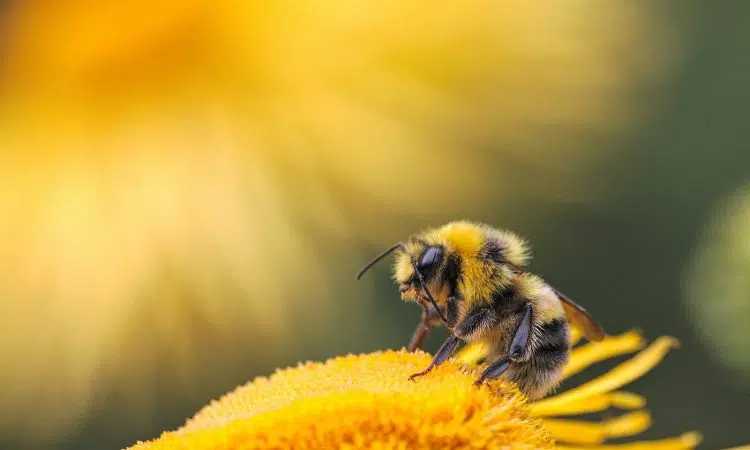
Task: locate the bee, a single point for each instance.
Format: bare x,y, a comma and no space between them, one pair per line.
473,278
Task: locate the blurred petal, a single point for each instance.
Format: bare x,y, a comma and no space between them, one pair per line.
717,286
610,347
622,374
594,403
580,432
683,442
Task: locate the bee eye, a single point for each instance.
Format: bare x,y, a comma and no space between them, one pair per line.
430,257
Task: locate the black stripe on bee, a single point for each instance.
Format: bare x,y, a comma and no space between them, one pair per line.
451,310
452,273
478,319
491,251
507,301
552,343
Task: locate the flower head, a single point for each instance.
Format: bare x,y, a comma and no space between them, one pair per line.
363,401
366,401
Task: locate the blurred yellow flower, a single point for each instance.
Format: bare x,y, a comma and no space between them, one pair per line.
717,286
366,401
172,163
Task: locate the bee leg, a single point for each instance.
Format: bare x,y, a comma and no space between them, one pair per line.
451,310
419,335
429,314
442,354
481,318
518,345
494,370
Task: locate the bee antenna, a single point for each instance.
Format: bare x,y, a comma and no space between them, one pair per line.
386,252
402,247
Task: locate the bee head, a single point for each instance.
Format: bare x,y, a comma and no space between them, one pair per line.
417,265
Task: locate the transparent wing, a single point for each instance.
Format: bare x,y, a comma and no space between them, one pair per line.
580,318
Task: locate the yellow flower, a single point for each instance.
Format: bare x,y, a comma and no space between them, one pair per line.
366,401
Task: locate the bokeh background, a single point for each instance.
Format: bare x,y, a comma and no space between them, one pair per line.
188,188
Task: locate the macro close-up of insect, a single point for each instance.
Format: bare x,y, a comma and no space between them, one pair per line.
472,278
188,189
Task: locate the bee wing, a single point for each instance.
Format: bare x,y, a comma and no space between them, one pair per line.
580,318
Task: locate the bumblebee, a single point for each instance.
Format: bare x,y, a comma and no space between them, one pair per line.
473,278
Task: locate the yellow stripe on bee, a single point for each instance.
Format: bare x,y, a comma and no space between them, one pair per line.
475,285
465,238
402,268
547,306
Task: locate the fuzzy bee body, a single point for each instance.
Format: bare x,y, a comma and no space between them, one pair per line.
539,366
473,277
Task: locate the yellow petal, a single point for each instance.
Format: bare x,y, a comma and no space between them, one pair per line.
617,377
581,432
627,400
595,403
576,432
684,442
575,335
586,355
628,424
472,353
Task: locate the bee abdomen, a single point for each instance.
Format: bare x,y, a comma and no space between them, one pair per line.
543,370
551,337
